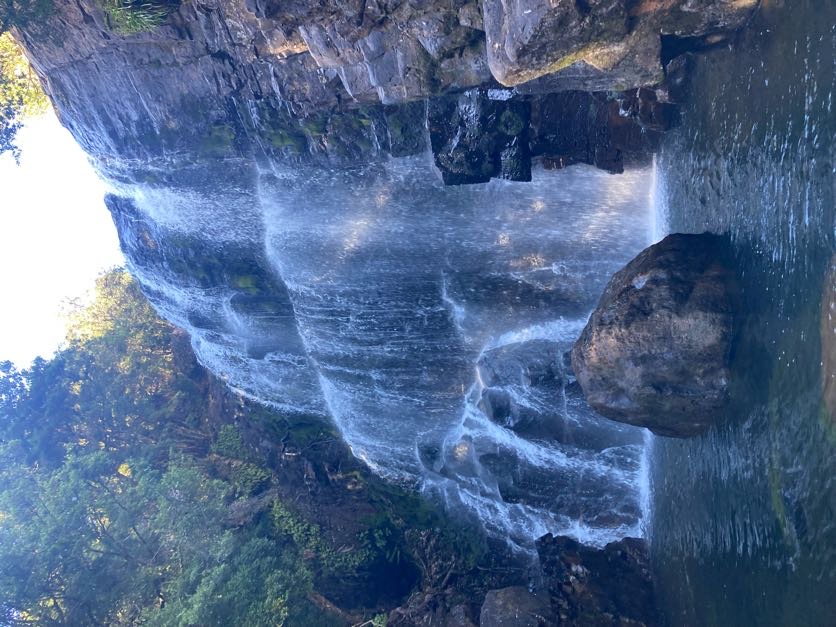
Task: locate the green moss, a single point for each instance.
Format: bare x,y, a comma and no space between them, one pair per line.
283,139
401,511
316,125
510,123
244,282
218,141
248,478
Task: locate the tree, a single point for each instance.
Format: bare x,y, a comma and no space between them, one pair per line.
21,94
105,516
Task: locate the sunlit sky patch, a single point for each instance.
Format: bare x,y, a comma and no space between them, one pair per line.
56,236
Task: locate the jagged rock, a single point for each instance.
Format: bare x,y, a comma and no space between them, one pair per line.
591,587
515,606
298,80
595,44
510,372
475,138
656,350
579,127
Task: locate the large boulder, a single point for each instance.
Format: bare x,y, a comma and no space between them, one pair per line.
656,351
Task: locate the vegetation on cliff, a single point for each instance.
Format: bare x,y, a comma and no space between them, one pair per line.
137,489
129,17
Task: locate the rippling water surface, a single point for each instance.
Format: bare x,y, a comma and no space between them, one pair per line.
744,522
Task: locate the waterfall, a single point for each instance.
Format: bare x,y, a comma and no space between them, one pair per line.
429,323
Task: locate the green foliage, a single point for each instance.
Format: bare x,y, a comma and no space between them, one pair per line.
229,443
122,504
308,537
21,94
21,13
110,512
129,17
258,584
248,478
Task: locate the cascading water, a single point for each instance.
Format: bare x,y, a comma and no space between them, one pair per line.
429,322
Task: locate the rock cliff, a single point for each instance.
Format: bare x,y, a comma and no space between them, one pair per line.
339,80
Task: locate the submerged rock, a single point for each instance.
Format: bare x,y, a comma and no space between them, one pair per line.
590,587
518,371
656,351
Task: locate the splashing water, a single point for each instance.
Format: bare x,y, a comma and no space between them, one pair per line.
379,298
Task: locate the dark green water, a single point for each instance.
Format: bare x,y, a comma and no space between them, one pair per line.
744,518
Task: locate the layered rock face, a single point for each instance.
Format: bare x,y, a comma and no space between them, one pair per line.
595,44
339,81
656,351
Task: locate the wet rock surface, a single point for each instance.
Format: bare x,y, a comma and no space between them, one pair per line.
475,138
336,82
590,587
492,133
518,376
595,44
656,350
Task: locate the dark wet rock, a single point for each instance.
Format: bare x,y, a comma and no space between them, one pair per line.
643,106
515,606
430,609
656,351
590,587
537,362
475,138
595,45
446,595
484,134
529,370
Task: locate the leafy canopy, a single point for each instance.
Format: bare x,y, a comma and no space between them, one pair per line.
110,509
21,94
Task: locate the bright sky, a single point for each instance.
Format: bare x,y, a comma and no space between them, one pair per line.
56,236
